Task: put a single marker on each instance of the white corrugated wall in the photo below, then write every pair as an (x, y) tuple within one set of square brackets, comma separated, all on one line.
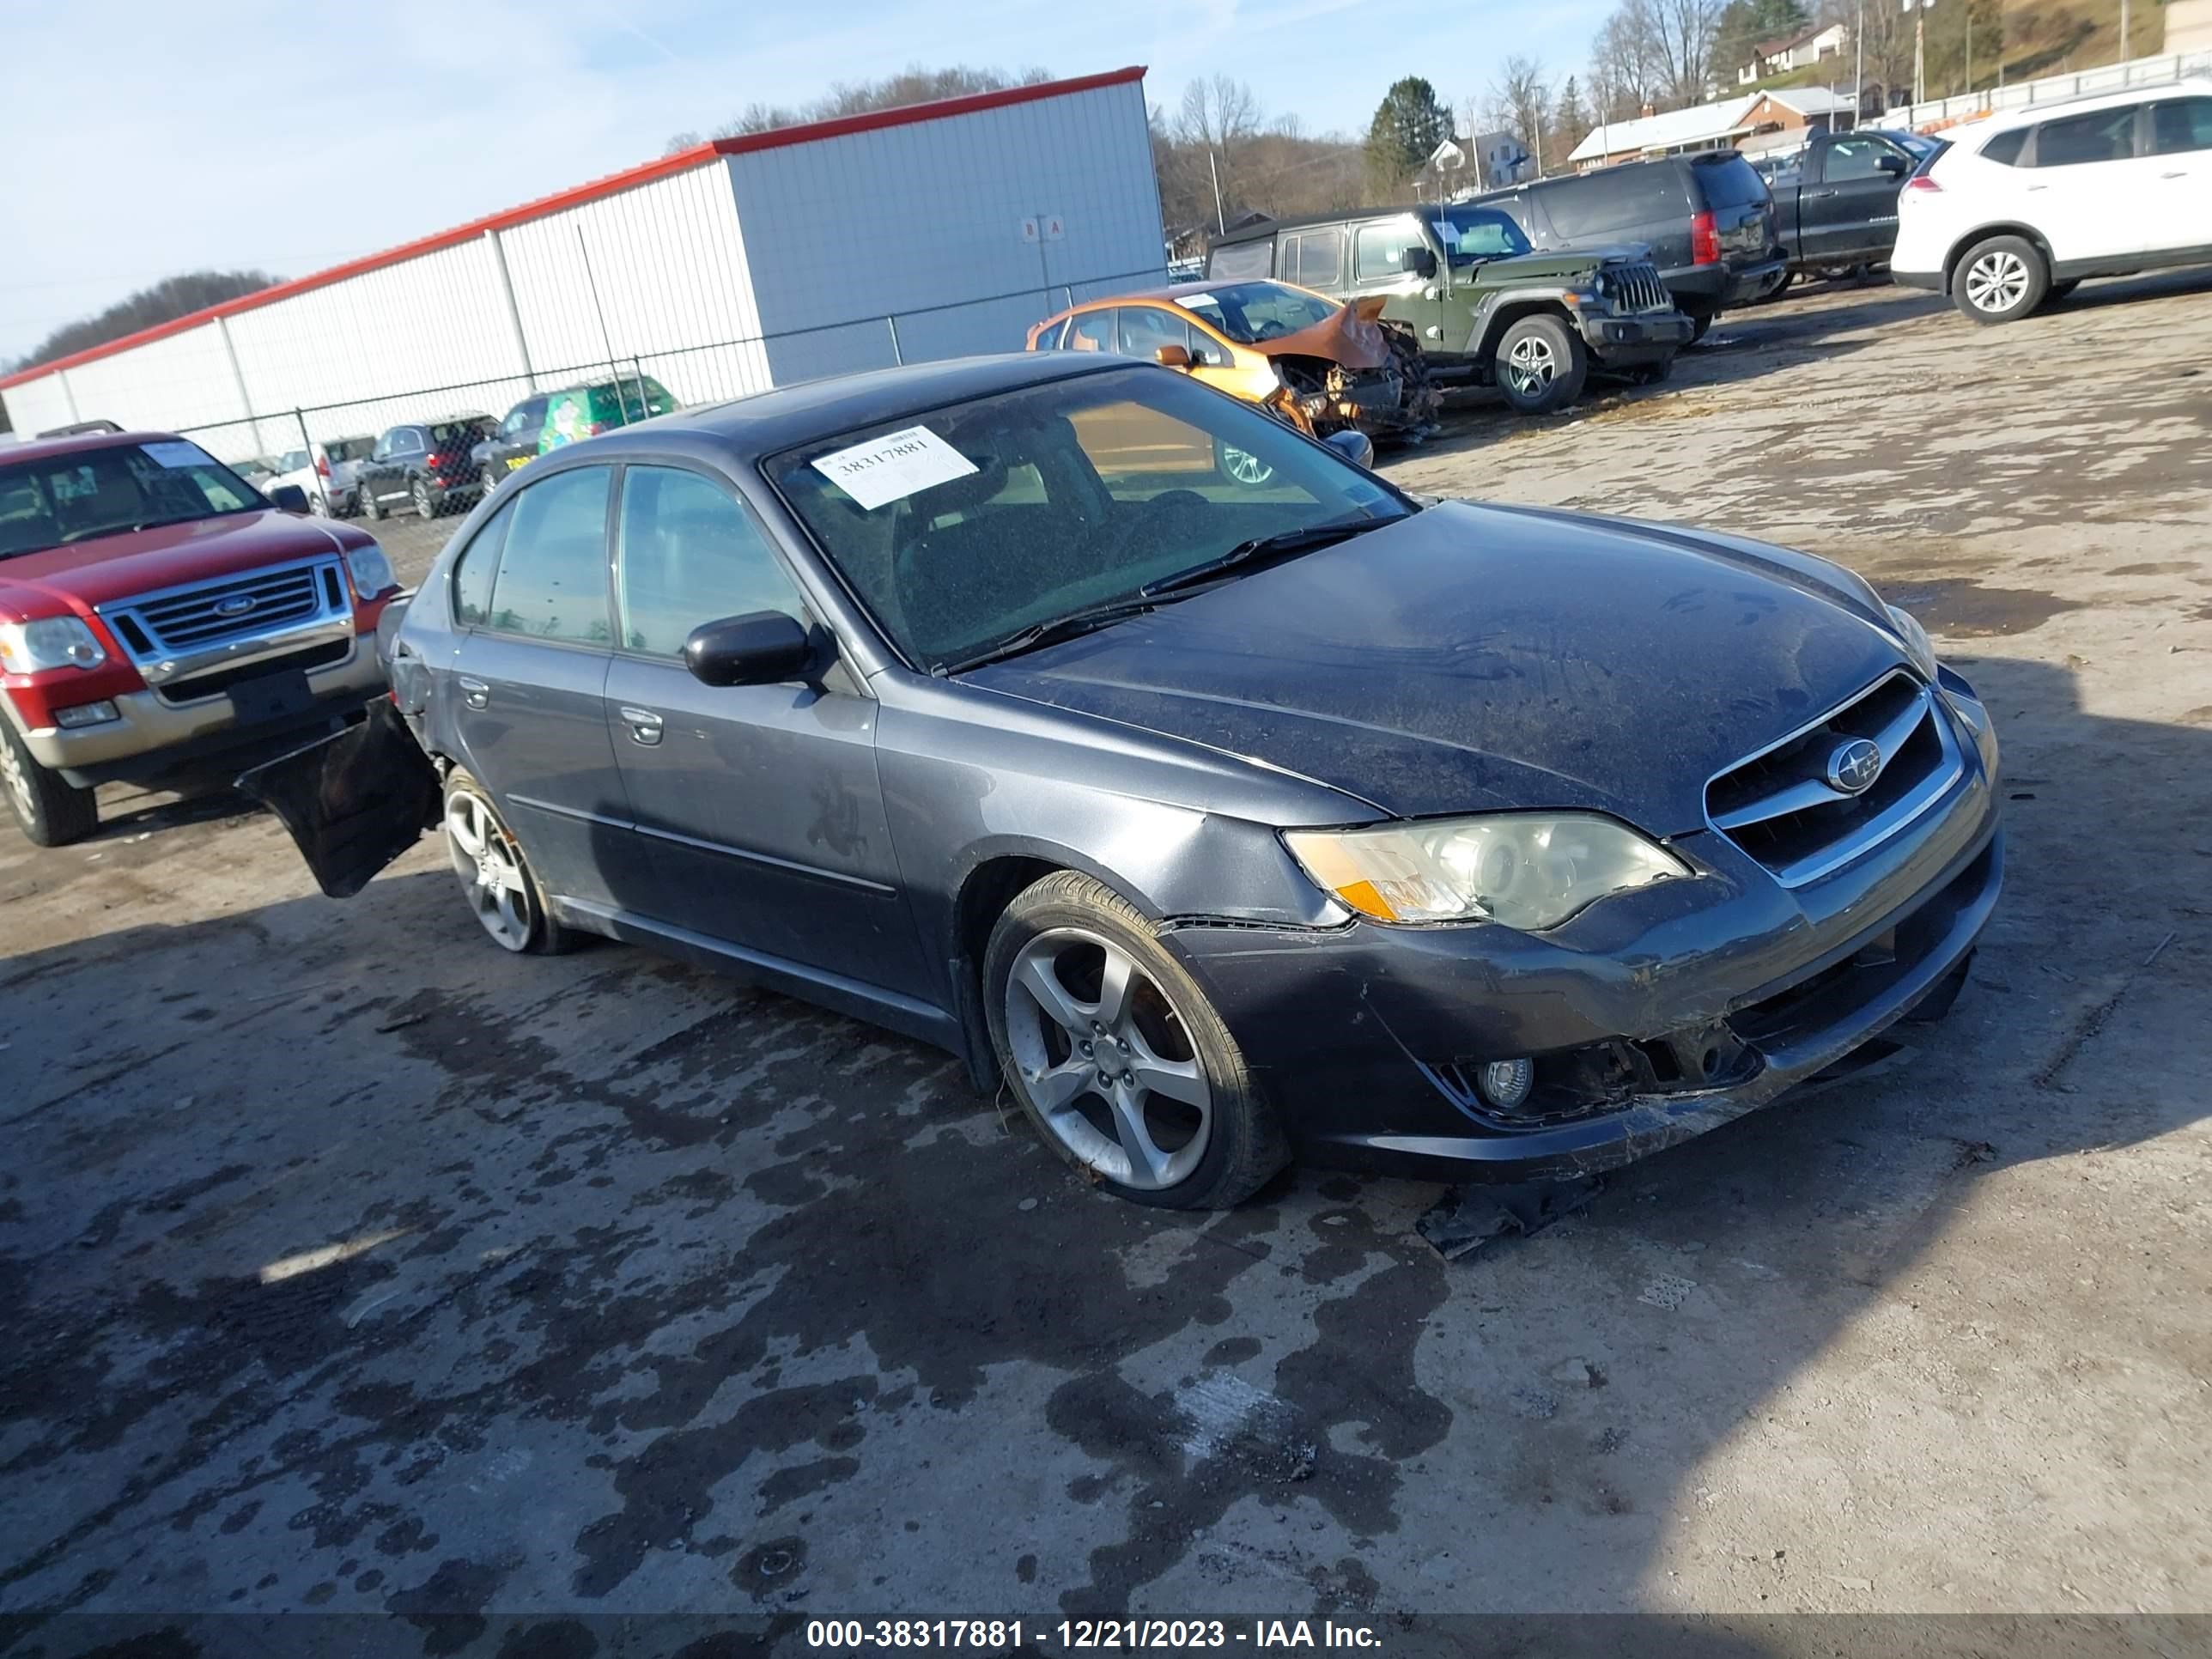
[(927, 221)]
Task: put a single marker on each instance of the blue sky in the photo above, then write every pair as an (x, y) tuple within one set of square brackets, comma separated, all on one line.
[(143, 139)]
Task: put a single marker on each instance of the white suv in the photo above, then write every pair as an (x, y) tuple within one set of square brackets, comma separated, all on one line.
[(2021, 207)]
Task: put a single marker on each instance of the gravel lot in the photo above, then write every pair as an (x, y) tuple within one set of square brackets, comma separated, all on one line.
[(638, 1291)]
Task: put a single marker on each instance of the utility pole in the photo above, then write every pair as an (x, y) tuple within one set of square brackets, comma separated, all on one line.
[(1221, 218), (1970, 43), (1858, 71), (1919, 10)]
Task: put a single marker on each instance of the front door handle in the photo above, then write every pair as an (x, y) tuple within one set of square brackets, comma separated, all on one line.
[(645, 726), (475, 693), (2174, 175)]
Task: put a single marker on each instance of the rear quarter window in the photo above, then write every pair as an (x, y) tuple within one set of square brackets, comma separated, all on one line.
[(1727, 181), (2005, 148), (1615, 198), (1241, 261)]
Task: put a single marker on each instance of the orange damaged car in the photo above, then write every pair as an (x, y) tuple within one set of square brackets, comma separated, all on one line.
[(1321, 366)]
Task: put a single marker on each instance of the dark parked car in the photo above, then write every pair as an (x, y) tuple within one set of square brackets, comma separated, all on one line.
[(1707, 220), (1228, 822), (547, 420), (424, 466)]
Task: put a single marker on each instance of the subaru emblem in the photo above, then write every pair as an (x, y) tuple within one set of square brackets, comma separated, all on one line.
[(236, 606), (1853, 766)]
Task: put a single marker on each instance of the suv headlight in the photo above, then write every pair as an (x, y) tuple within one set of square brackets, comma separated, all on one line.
[(371, 571), (1525, 870), (1914, 637), (49, 643)]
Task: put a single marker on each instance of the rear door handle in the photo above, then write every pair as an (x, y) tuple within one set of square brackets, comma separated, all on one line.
[(2174, 175), (645, 726), (475, 693)]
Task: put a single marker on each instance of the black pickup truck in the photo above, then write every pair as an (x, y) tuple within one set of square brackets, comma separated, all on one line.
[(1835, 198)]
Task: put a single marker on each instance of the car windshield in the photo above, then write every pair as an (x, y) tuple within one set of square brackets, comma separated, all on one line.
[(85, 493), (1248, 313), (1470, 234), (963, 528)]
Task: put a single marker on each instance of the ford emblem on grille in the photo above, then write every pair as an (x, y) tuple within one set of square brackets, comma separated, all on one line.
[(236, 606), (1853, 766)]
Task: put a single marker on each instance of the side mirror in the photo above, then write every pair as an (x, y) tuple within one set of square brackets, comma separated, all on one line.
[(1355, 446), (1895, 166), (288, 498), (762, 648), (1421, 261), (1172, 356)]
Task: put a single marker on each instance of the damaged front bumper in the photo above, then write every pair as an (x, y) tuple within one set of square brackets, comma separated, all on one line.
[(1650, 1018)]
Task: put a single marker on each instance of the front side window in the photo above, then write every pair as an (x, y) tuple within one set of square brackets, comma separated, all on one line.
[(1378, 251), (1146, 329), (2179, 125), (1859, 158), (105, 492), (552, 580), (2109, 135), (526, 417), (690, 554), (1031, 505), (1092, 331), (1473, 233)]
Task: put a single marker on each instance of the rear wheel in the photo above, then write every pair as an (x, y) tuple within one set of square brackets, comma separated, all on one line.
[(420, 494), (2001, 280), (1117, 1057), (502, 891), (51, 810), (1541, 365), (1240, 466), (371, 508)]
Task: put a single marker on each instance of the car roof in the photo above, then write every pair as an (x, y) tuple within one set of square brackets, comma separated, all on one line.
[(33, 449), (2088, 103), (1174, 291), (767, 422), (1267, 227)]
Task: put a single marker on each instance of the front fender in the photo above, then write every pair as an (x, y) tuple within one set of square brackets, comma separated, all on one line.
[(1499, 311)]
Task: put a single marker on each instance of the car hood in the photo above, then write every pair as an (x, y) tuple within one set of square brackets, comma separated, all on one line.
[(1552, 266), (1473, 657), (109, 567), (1350, 336)]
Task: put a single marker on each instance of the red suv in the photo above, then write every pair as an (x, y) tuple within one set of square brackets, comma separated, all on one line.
[(157, 611)]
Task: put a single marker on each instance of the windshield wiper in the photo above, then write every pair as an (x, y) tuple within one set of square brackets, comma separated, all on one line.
[(1287, 545), (1069, 627)]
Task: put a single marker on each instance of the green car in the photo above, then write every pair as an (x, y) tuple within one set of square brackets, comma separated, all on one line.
[(1488, 309), (547, 420)]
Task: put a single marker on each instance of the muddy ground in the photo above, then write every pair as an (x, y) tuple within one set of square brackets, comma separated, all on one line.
[(348, 1263)]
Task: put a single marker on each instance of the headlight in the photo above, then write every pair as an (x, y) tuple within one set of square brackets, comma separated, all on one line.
[(370, 570), (49, 643), (1916, 644), (1526, 870)]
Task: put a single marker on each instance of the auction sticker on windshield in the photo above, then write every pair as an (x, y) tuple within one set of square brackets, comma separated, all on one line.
[(894, 467), (175, 455)]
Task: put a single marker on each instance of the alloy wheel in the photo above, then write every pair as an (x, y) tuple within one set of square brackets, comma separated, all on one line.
[(1997, 281), (1531, 365), (1106, 1060), (421, 494), (1243, 467), (490, 868), (18, 781)]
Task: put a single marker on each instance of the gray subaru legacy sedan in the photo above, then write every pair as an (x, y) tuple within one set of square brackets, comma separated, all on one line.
[(1231, 805)]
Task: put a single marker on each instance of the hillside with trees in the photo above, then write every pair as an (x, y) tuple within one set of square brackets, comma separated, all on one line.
[(150, 307)]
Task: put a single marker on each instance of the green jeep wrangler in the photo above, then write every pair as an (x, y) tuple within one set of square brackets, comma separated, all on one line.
[(1488, 310)]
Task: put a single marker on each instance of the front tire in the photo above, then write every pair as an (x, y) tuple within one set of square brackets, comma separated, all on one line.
[(52, 811), (2001, 280), (1541, 365), (1120, 1063), (502, 890)]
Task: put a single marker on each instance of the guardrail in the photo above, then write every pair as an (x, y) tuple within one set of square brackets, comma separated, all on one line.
[(1937, 113)]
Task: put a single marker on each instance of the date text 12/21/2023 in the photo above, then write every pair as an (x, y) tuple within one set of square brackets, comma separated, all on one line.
[(1082, 1635)]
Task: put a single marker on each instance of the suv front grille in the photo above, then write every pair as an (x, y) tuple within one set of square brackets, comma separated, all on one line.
[(1636, 287), (183, 620), (1779, 806)]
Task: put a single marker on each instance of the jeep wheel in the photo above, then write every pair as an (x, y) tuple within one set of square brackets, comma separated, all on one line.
[(2000, 280), (52, 811), (1541, 365)]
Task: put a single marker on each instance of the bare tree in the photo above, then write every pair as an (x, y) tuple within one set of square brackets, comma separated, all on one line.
[(1655, 52), (1519, 100)]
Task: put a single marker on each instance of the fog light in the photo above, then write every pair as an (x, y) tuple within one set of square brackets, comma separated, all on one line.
[(86, 714), (1504, 1084)]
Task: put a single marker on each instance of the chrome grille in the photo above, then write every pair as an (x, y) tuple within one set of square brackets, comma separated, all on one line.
[(1779, 806), (1636, 287), (183, 620)]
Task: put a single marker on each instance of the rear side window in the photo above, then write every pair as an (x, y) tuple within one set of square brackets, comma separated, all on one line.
[(552, 581), (1316, 259), (2106, 135), (1146, 329), (2005, 148), (474, 570), (1092, 331), (1614, 198), (1729, 180), (2183, 124), (690, 555), (1047, 338), (1242, 261)]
